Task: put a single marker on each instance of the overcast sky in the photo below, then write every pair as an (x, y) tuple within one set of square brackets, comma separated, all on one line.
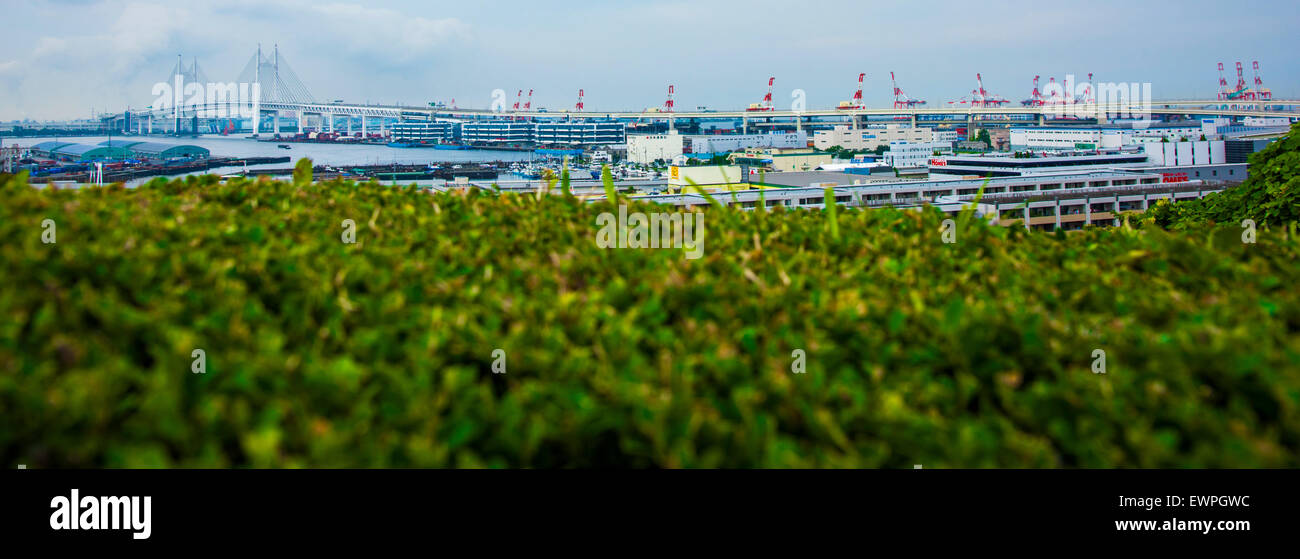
[(63, 58)]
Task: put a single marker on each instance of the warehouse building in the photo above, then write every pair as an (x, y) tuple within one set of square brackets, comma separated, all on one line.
[(65, 151), (646, 148), (496, 132), (1109, 137), (1040, 202), (580, 133), (735, 142), (870, 138), (158, 151), (435, 132), (907, 155), (781, 160)]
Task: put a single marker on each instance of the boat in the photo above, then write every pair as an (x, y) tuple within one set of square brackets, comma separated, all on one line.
[(403, 145), (284, 146), (450, 146)]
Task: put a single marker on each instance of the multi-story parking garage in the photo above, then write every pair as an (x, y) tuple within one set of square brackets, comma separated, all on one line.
[(1041, 202)]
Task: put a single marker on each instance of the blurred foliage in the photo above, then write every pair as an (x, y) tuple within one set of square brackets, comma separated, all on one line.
[(379, 353), (1270, 196)]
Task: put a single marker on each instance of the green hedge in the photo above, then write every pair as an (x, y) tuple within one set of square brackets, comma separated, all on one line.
[(379, 353)]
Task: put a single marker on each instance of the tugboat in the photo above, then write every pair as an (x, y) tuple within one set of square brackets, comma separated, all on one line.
[(284, 146)]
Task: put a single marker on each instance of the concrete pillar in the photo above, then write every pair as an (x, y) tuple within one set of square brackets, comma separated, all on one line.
[(302, 121), (913, 120), (383, 127), (350, 119), (276, 124), (329, 121), (744, 125), (257, 120), (150, 123), (363, 126)]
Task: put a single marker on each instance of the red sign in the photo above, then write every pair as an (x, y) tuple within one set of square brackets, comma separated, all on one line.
[(1173, 177), (938, 162)]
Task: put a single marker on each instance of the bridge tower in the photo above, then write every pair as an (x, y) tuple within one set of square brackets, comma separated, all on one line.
[(277, 84)]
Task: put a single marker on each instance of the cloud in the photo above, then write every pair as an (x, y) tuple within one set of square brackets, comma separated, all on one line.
[(388, 34)]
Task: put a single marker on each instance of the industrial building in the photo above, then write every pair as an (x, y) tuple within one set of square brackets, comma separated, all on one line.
[(735, 142), (66, 151), (646, 148), (1108, 137), (870, 138), (908, 155), (1004, 165), (544, 133), (434, 132), (704, 176), (781, 160), (496, 132), (579, 133), (1186, 153), (1239, 151), (1040, 202), (946, 138)]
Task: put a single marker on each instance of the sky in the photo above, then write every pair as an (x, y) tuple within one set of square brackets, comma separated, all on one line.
[(64, 59)]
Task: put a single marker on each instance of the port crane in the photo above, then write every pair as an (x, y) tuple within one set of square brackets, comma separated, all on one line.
[(980, 97), (580, 105), (1234, 93), (856, 101), (529, 104), (1262, 93), (901, 100), (1036, 98), (766, 105)]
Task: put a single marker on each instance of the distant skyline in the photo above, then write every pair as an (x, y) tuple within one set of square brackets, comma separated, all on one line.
[(64, 58)]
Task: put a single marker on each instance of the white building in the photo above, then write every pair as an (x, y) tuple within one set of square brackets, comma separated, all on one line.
[(943, 138), (736, 142), (905, 155), (1170, 154), (1064, 138), (646, 148), (869, 138), (1266, 121)]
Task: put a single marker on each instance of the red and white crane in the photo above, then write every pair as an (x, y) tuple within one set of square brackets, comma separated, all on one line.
[(1088, 96), (766, 105), (901, 100), (1036, 98), (668, 104), (856, 101), (529, 104), (1261, 93), (1223, 84), (580, 105), (980, 97), (518, 98)]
